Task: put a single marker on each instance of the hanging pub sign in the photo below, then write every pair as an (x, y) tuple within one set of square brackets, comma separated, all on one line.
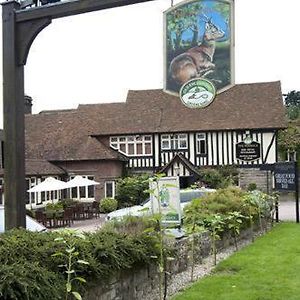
[(198, 43), (247, 151), (285, 176)]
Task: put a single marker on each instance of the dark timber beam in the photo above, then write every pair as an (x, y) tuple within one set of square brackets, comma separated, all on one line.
[(70, 8)]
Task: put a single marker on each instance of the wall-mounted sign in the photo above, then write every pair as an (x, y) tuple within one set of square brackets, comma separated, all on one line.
[(198, 43), (247, 151), (285, 176), (197, 93), (166, 199)]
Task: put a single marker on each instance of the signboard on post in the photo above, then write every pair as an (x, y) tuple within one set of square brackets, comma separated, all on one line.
[(165, 199), (247, 151), (286, 179), (198, 43), (285, 176)]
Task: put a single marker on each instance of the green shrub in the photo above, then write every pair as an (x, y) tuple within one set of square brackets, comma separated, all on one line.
[(131, 190), (220, 177), (54, 206), (68, 202), (108, 205), (251, 187), (28, 280)]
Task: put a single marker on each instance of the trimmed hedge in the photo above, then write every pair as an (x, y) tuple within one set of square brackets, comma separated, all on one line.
[(29, 271)]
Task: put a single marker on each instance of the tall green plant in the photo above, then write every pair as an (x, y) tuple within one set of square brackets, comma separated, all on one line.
[(215, 225), (234, 221), (70, 255)]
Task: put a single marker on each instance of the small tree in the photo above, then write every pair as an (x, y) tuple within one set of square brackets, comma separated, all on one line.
[(234, 222), (215, 225)]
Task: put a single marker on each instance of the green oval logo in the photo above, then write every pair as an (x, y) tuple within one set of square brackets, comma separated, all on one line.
[(197, 93)]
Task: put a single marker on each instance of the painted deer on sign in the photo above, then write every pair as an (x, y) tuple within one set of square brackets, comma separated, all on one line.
[(197, 61)]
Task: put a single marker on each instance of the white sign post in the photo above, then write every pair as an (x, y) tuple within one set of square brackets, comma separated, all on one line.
[(165, 199)]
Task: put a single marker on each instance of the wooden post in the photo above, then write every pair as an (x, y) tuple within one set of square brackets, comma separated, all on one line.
[(13, 115)]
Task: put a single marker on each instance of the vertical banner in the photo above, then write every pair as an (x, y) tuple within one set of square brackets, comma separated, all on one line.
[(198, 43), (166, 199)]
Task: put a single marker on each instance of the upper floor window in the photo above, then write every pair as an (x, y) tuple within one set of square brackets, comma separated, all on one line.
[(132, 145), (174, 141), (201, 143)]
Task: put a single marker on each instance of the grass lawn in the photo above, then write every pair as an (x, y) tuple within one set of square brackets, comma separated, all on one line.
[(268, 269)]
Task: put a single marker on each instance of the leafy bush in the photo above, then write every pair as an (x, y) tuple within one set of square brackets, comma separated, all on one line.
[(220, 177), (54, 206), (28, 269), (107, 205), (131, 190), (251, 187), (68, 202)]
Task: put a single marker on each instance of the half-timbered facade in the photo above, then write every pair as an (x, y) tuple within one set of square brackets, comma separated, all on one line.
[(154, 131)]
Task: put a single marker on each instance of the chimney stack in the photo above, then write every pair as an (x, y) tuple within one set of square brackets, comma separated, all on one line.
[(28, 105)]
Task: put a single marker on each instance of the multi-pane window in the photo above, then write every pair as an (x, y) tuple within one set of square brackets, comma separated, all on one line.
[(109, 189), (174, 141), (133, 145), (201, 143), (83, 192)]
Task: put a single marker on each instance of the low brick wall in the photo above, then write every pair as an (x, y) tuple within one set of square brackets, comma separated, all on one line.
[(143, 283)]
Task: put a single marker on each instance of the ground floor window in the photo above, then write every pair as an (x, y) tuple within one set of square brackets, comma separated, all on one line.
[(83, 192), (109, 189)]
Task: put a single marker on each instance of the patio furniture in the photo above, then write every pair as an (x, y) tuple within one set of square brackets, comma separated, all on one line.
[(41, 217), (67, 217), (96, 209)]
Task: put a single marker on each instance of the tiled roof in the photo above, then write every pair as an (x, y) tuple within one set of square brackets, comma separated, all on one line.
[(65, 135), (244, 106), (39, 167)]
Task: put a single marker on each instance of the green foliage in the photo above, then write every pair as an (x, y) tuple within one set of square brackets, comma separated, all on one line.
[(54, 206), (70, 256), (292, 103), (131, 190), (27, 263), (222, 202), (289, 138), (251, 187), (68, 202), (29, 280), (108, 205), (220, 177)]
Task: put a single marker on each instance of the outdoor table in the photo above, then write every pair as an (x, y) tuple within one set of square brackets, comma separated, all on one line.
[(53, 216)]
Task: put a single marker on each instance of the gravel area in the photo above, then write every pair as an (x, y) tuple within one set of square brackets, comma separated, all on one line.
[(182, 280)]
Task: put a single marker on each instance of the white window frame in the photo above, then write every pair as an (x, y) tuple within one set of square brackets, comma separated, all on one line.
[(113, 188), (172, 140), (200, 137), (117, 141)]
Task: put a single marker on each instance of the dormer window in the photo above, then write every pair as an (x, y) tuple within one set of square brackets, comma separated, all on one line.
[(132, 145)]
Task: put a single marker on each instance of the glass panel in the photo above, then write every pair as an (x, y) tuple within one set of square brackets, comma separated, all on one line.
[(114, 139), (138, 138), (200, 136), (202, 147), (122, 148), (108, 189), (91, 193), (165, 145), (43, 196), (114, 145), (74, 193), (165, 137), (27, 194), (148, 138), (130, 149), (148, 148), (130, 138), (182, 136), (182, 144), (82, 192), (122, 139), (139, 148)]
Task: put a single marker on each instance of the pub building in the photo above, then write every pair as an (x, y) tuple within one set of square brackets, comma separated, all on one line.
[(154, 132)]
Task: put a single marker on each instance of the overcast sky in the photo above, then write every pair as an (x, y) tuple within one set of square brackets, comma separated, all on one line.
[(97, 57)]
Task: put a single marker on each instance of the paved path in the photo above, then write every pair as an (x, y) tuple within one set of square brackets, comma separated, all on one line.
[(88, 225)]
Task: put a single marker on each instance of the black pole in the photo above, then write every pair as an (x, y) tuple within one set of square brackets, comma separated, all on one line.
[(13, 116), (296, 193)]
